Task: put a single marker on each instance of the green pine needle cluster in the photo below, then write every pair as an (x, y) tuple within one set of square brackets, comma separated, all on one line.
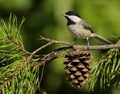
[(20, 75), (105, 76), (15, 76)]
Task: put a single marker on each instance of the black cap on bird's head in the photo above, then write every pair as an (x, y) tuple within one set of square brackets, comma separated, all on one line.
[(70, 13), (72, 17)]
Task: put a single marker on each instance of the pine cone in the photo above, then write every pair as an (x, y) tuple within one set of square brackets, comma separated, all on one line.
[(77, 67)]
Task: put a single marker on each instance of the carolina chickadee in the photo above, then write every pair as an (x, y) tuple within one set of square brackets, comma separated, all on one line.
[(80, 29)]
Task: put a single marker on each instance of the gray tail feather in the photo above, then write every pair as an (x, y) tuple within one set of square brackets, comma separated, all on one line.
[(102, 39)]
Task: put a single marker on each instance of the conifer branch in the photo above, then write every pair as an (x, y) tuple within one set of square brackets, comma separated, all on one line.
[(19, 47), (82, 47), (54, 41), (54, 54), (22, 64), (12, 41)]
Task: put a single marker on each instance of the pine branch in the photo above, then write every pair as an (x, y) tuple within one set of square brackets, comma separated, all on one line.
[(81, 47), (54, 54), (18, 46), (12, 53), (105, 75), (50, 56), (18, 65), (22, 65)]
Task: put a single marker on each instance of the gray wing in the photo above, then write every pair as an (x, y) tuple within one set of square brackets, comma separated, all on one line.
[(86, 26)]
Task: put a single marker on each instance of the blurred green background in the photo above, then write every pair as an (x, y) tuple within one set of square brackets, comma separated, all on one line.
[(44, 17)]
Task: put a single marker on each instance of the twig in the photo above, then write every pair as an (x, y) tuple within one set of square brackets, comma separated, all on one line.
[(82, 47), (54, 41), (8, 79), (97, 47), (46, 58), (54, 54)]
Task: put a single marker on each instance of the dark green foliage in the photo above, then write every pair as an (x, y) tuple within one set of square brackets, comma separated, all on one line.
[(16, 76), (106, 74)]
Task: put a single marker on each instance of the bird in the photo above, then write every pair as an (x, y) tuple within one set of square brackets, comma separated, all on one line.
[(80, 29)]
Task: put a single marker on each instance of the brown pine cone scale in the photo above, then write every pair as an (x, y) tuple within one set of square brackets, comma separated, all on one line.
[(77, 67)]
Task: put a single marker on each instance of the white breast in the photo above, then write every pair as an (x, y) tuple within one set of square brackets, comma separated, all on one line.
[(79, 31)]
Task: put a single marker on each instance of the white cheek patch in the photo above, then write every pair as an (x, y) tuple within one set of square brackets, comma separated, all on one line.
[(75, 18)]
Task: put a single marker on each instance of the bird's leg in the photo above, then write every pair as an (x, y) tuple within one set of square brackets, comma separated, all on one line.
[(88, 43)]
